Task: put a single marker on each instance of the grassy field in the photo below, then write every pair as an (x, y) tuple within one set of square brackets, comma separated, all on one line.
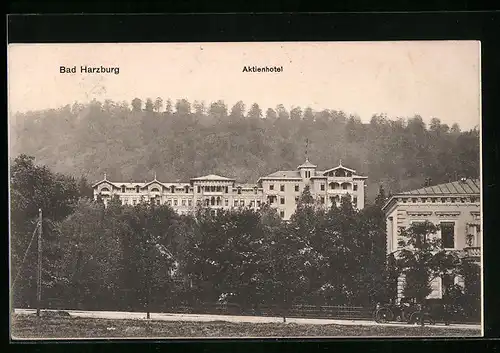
[(29, 326)]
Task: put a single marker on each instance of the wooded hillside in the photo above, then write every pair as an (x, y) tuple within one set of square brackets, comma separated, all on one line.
[(132, 140)]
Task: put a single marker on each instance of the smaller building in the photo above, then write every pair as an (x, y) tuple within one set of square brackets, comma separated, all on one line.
[(454, 207)]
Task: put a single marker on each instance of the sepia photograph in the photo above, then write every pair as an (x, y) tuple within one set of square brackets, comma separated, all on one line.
[(245, 190)]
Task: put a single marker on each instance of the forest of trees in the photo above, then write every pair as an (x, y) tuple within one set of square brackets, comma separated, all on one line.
[(181, 140)]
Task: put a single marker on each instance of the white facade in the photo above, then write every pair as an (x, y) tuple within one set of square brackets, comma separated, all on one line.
[(280, 190), (454, 207)]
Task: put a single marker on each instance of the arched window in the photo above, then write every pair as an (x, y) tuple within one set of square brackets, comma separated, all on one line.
[(123, 188), (207, 202), (218, 201), (155, 190), (137, 188), (345, 186), (105, 189), (172, 189), (212, 201), (187, 189)]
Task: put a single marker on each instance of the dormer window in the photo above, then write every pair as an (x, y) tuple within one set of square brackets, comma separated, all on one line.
[(137, 189), (123, 188), (239, 190), (187, 189), (172, 189)]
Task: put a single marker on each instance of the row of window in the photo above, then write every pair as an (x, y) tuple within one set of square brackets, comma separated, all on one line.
[(333, 186), (213, 201), (440, 199), (208, 202), (282, 187), (186, 189), (170, 202), (137, 189), (225, 189), (334, 199)]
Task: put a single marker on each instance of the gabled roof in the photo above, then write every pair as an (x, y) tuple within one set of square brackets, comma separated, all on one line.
[(154, 181), (213, 177), (104, 181), (306, 164), (119, 184), (340, 166), (468, 186)]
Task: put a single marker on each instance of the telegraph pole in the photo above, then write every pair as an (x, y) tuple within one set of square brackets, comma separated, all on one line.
[(39, 277)]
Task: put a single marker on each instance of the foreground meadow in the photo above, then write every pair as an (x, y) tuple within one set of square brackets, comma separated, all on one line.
[(31, 327)]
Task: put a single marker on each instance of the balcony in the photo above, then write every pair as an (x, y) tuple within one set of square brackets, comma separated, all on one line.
[(340, 191), (212, 193), (339, 179), (473, 252)]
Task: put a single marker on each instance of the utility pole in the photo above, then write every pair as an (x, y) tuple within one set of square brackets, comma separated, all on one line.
[(39, 277)]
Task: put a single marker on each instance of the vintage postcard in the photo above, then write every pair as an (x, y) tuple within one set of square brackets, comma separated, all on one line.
[(225, 190)]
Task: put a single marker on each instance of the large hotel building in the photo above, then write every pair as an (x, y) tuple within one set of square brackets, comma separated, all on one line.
[(280, 190)]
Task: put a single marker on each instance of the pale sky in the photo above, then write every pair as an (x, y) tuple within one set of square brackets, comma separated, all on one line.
[(434, 79)]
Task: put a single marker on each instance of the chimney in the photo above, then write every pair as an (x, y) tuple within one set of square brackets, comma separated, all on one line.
[(463, 179)]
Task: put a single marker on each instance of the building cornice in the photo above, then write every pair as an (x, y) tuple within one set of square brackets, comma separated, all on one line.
[(394, 198)]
